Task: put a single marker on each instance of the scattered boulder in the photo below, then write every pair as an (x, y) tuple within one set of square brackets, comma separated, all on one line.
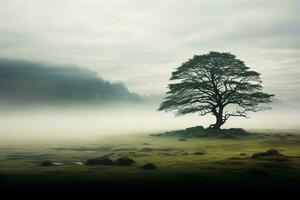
[(124, 161), (271, 154), (99, 161), (149, 166), (46, 163), (256, 172), (199, 153)]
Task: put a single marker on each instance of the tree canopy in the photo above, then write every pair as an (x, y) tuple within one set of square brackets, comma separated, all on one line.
[(215, 83)]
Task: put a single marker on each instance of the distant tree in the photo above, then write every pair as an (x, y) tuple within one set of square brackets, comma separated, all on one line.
[(209, 83)]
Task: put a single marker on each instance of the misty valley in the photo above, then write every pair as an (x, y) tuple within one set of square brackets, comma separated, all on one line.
[(149, 99), (64, 129)]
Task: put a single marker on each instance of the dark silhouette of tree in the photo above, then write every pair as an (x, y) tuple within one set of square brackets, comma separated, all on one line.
[(215, 83)]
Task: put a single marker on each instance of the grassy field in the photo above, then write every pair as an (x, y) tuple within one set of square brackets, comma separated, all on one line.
[(199, 163)]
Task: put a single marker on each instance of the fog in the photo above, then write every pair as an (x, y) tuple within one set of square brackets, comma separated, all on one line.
[(54, 124), (51, 103)]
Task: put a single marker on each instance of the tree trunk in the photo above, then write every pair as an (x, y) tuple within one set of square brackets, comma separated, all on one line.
[(218, 124), (219, 120)]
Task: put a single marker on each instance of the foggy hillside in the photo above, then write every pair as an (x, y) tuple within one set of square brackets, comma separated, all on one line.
[(25, 82)]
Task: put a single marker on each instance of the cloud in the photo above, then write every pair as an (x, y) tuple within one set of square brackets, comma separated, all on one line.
[(25, 82), (140, 42)]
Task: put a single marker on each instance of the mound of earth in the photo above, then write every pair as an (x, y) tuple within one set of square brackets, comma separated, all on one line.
[(149, 166), (46, 163), (124, 161), (99, 161), (199, 131), (271, 154)]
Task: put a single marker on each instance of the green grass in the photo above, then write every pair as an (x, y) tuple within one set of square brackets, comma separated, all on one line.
[(221, 165)]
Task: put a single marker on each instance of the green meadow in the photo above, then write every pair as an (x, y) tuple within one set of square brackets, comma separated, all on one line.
[(197, 162)]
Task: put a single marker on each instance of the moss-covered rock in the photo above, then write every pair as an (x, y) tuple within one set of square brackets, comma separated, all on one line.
[(46, 163), (124, 161)]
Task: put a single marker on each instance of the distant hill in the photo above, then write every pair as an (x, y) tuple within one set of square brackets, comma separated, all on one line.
[(25, 82)]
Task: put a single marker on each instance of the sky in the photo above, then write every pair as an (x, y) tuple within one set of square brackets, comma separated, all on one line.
[(140, 42)]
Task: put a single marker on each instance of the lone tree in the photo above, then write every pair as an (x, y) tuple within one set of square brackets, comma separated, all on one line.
[(218, 84)]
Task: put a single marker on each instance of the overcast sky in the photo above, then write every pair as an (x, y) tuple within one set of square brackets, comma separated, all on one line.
[(139, 42)]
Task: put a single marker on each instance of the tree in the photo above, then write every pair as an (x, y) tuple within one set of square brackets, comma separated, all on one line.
[(218, 84)]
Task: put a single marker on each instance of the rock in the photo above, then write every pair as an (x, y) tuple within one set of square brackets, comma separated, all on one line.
[(182, 139), (46, 163), (243, 154), (124, 161), (271, 154), (199, 153), (99, 161), (149, 166), (256, 172)]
